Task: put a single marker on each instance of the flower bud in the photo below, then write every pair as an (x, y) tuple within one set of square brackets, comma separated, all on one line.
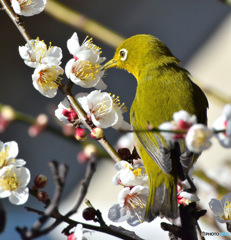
[(7, 115), (80, 134), (40, 181), (97, 133), (89, 213), (40, 124), (42, 196), (8, 112), (124, 153)]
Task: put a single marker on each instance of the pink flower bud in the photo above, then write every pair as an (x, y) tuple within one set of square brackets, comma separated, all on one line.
[(80, 134), (68, 130), (40, 124), (97, 133), (40, 181), (70, 114), (42, 196)]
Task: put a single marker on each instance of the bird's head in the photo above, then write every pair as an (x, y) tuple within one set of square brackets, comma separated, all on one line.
[(137, 52)]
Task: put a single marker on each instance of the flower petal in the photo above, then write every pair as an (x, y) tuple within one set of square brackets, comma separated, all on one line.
[(13, 149), (19, 196), (116, 213), (216, 207)]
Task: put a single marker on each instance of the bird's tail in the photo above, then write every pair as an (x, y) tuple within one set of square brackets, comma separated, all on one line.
[(162, 199)]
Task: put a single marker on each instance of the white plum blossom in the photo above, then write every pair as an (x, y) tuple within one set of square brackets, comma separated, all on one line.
[(28, 7), (104, 110), (222, 209), (87, 51), (46, 78), (84, 68), (13, 184), (131, 206), (182, 121), (79, 233), (224, 122), (85, 74), (198, 138), (65, 112), (129, 175), (36, 52), (8, 153)]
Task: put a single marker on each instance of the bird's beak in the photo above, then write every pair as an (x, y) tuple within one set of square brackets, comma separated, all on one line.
[(110, 64)]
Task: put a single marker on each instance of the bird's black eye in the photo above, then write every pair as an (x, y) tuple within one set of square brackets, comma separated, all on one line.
[(123, 54)]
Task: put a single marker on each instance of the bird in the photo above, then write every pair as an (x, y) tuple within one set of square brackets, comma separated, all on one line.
[(163, 88)]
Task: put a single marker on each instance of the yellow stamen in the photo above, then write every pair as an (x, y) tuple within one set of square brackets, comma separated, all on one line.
[(137, 172), (9, 183), (49, 78), (85, 70), (25, 3), (4, 155), (116, 102), (227, 210)]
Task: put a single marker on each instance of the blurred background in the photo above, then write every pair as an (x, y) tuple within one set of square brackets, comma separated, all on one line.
[(198, 32)]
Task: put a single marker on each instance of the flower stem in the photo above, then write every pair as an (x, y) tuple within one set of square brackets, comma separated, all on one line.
[(82, 117)]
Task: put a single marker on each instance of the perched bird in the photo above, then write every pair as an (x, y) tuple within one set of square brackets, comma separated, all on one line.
[(163, 87)]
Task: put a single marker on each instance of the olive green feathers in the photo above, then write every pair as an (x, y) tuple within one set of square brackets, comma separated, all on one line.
[(163, 87)]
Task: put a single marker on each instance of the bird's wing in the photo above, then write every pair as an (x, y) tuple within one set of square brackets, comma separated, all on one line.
[(154, 145)]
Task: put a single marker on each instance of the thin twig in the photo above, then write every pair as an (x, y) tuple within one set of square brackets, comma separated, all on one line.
[(59, 175), (17, 20), (82, 117), (91, 168)]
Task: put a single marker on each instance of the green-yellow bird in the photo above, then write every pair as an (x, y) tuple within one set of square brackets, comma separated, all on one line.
[(163, 87)]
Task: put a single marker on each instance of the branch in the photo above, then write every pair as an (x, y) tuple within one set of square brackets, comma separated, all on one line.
[(59, 175), (82, 118), (91, 168), (17, 20)]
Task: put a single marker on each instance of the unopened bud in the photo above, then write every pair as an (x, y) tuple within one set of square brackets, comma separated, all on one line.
[(89, 150), (124, 153), (8, 113), (68, 130), (40, 181), (42, 196), (80, 134), (97, 133), (89, 213), (70, 114), (40, 124)]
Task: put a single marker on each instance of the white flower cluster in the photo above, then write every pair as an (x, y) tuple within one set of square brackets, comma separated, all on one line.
[(103, 109), (83, 69), (13, 176), (46, 61), (198, 136), (133, 197), (28, 8)]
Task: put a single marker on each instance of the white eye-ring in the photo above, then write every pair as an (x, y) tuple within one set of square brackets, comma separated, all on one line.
[(123, 54)]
